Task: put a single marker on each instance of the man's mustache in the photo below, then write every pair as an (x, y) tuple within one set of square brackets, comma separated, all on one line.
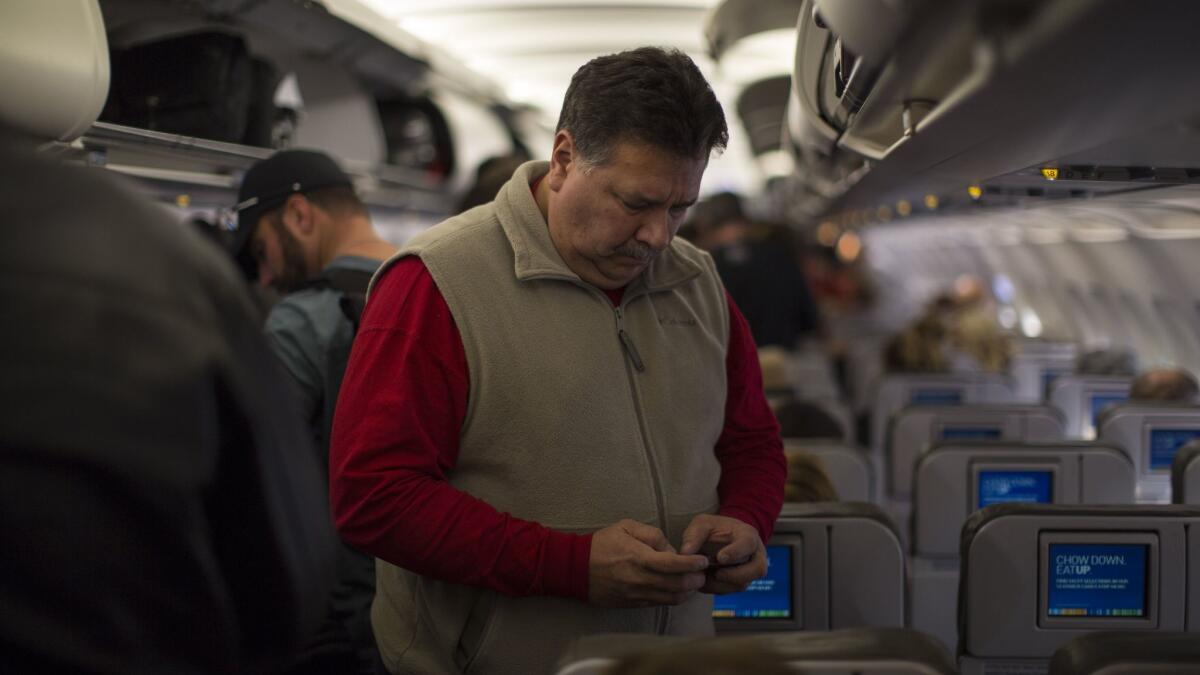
[(635, 250)]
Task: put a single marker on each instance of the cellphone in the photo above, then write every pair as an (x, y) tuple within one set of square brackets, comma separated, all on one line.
[(710, 550)]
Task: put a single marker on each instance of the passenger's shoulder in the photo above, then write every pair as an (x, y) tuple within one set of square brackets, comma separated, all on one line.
[(117, 240)]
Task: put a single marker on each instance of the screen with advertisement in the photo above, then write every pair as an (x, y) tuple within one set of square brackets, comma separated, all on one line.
[(1164, 443), (1000, 487), (767, 598), (1097, 580), (969, 433), (936, 397), (1101, 400)]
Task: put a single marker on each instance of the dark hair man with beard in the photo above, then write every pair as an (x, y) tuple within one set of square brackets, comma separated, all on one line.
[(303, 232)]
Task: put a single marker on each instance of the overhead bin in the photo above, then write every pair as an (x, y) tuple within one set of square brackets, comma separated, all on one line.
[(356, 83), (941, 95)]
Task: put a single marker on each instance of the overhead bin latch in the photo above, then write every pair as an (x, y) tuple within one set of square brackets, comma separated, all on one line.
[(914, 112)]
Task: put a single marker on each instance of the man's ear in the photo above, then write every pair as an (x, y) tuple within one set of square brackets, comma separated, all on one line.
[(564, 158), (298, 216)]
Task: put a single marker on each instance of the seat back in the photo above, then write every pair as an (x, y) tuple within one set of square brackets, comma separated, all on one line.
[(832, 565), (811, 372), (1036, 364), (957, 478), (894, 392), (1152, 434), (863, 651), (54, 70), (1083, 397), (916, 428), (1185, 475), (1128, 653), (848, 467), (1037, 576)]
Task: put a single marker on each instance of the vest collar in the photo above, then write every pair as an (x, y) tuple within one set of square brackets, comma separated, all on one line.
[(534, 253)]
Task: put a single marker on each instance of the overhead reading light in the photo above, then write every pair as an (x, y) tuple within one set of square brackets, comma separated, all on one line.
[(849, 246), (827, 234)]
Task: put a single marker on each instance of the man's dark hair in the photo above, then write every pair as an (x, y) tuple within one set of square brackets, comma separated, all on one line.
[(649, 95)]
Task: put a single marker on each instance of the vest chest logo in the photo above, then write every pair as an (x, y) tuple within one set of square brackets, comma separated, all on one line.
[(677, 321)]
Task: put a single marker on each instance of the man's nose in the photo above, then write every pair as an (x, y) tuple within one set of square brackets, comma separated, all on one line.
[(655, 231)]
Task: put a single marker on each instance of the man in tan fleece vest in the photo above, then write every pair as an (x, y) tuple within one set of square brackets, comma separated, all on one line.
[(553, 421)]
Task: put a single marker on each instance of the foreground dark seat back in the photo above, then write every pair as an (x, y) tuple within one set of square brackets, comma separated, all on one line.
[(1128, 653), (863, 651)]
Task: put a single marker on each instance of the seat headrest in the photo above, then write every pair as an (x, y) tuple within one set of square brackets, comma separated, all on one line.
[(1092, 653), (987, 514), (838, 510), (54, 70)]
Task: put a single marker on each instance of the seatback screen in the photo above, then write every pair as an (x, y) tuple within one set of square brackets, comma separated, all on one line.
[(936, 397), (1100, 401), (969, 433), (1000, 487), (1164, 443), (1097, 580), (767, 598)]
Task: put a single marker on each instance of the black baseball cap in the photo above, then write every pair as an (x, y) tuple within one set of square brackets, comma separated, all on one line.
[(269, 183)]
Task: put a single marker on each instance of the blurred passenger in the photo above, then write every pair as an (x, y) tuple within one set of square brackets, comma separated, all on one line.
[(1165, 384), (806, 419), (976, 334), (975, 339), (807, 479), (504, 529), (491, 175), (777, 381), (1106, 362), (918, 348), (760, 269), (303, 231), (715, 658), (797, 418), (160, 508)]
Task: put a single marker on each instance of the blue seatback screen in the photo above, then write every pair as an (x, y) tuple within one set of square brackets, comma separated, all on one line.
[(969, 433), (1164, 443), (936, 397), (1101, 401), (1097, 580), (1030, 487), (767, 598)]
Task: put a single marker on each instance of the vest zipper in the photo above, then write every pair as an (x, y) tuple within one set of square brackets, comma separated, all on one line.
[(627, 342), (662, 613)]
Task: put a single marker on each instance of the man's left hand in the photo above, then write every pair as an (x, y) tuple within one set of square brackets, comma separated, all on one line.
[(736, 549)]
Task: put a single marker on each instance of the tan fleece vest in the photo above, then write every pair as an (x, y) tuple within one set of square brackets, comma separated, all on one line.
[(565, 426)]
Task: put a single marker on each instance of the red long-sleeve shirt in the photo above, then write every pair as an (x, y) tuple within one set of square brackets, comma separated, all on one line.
[(396, 437)]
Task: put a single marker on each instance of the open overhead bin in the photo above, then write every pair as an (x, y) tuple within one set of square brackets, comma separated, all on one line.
[(897, 100)]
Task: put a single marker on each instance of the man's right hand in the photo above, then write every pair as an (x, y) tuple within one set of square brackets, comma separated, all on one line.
[(633, 565)]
